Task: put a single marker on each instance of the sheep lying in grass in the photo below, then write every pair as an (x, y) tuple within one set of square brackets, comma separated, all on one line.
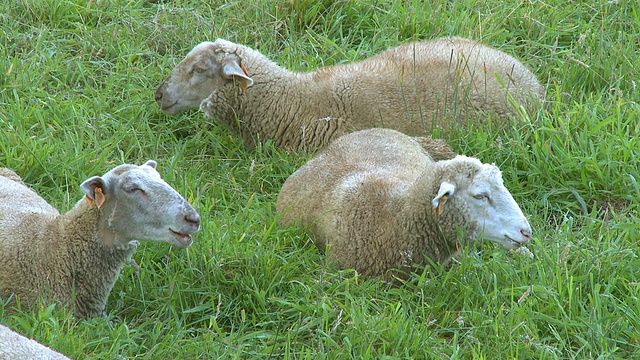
[(14, 346), (377, 202), (75, 258), (411, 88)]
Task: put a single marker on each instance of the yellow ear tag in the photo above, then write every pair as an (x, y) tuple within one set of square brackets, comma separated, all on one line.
[(440, 207), (244, 69), (86, 197), (243, 83), (100, 199)]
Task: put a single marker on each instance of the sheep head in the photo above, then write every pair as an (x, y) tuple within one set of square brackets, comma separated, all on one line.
[(489, 203), (138, 205), (206, 68)]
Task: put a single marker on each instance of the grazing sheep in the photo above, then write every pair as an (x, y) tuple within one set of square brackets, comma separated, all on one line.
[(377, 202), (14, 346), (412, 88), (74, 259)]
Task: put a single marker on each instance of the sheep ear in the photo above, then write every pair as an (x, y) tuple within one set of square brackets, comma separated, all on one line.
[(151, 163), (447, 190), (93, 189), (238, 72)]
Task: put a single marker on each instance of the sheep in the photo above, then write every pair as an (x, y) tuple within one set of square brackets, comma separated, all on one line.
[(74, 259), (14, 346), (412, 88), (377, 202)]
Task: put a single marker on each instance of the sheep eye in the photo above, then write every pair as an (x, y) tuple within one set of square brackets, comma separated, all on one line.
[(481, 196), (199, 70), (132, 188)]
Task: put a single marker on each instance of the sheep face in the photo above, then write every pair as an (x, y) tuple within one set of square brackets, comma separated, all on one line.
[(208, 67), (489, 203), (138, 205)]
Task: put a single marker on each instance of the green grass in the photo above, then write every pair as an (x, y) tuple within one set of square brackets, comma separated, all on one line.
[(76, 98)]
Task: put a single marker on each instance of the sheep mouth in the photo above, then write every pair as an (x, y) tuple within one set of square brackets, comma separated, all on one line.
[(512, 243), (165, 108), (184, 239)]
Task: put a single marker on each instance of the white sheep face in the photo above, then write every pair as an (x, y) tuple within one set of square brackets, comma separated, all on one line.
[(491, 206), (140, 205), (206, 68)]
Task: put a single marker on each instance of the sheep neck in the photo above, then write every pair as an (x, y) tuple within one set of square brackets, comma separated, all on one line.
[(277, 92), (95, 265), (437, 236)]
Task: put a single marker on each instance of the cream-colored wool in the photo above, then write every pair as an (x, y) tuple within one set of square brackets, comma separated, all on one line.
[(378, 202), (74, 259), (14, 346), (413, 88)]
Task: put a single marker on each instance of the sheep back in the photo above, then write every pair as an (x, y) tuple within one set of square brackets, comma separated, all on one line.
[(11, 175), (23, 216)]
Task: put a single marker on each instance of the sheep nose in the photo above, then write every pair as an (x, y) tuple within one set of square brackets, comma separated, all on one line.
[(526, 233), (193, 218), (158, 96)]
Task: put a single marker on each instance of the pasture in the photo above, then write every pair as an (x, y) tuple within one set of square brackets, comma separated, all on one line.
[(77, 83)]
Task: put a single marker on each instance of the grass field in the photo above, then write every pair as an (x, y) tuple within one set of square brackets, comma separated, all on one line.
[(77, 80)]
